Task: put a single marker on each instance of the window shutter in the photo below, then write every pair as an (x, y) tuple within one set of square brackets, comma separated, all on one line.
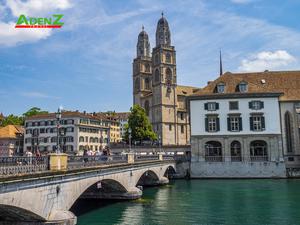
[(261, 105), (228, 124), (206, 106), (240, 124), (250, 105), (251, 123), (218, 124), (263, 125), (217, 106), (206, 124)]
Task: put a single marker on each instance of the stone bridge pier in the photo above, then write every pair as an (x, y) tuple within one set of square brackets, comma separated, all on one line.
[(47, 199)]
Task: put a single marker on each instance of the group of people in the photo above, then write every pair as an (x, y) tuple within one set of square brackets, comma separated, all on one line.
[(105, 152)]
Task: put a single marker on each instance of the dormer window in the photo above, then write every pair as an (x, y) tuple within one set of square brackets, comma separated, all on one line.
[(243, 87), (220, 88)]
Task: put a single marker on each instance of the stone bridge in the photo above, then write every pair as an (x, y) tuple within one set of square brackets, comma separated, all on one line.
[(46, 198)]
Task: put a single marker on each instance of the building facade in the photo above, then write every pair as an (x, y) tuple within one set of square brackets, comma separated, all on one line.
[(155, 87), (246, 125), (122, 117), (78, 131), (11, 140)]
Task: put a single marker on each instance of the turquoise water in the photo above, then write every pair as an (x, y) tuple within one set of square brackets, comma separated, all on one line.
[(206, 202)]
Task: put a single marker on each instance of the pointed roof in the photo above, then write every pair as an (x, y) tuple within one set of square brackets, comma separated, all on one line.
[(286, 82), (11, 131)]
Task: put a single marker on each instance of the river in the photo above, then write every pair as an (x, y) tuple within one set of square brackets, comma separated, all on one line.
[(206, 202)]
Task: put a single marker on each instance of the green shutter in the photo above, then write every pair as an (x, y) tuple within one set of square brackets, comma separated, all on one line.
[(206, 124), (206, 106), (228, 124), (250, 105), (263, 125), (218, 124), (217, 106), (251, 123), (261, 105), (240, 124)]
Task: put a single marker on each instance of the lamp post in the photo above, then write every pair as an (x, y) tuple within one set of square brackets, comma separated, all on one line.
[(129, 137), (159, 142), (58, 117)]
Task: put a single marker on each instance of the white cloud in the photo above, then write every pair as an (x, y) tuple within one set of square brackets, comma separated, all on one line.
[(34, 94), (240, 1), (11, 36), (36, 7), (267, 60)]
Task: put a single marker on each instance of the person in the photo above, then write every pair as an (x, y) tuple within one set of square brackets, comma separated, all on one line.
[(85, 155), (29, 155)]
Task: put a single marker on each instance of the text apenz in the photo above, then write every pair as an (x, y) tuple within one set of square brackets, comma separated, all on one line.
[(40, 22)]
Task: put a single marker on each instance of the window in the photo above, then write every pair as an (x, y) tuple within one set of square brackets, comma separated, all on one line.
[(156, 75), (147, 107), (258, 151), (234, 123), (234, 105), (81, 139), (213, 151), (181, 116), (147, 83), (168, 58), (211, 106), (170, 127), (157, 59), (257, 123), (182, 129), (220, 88), (256, 105), (242, 87), (235, 150), (147, 68), (212, 124), (42, 130), (288, 131), (168, 76), (137, 84)]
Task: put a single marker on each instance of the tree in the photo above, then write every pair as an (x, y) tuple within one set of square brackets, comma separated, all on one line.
[(138, 122), (34, 111), (12, 120)]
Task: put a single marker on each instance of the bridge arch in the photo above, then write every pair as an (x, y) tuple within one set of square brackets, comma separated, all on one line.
[(148, 178), (14, 213)]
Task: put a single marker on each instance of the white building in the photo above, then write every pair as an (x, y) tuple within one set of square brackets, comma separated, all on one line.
[(122, 117), (79, 131), (246, 125)]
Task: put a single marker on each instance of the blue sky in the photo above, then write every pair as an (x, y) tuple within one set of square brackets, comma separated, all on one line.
[(87, 64)]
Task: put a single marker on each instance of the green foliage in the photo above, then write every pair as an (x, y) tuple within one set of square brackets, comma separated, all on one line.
[(34, 111), (19, 120), (12, 120), (138, 122)]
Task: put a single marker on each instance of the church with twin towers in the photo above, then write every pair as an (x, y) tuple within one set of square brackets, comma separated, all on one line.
[(155, 86)]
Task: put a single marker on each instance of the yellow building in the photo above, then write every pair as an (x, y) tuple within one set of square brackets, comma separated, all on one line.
[(11, 140)]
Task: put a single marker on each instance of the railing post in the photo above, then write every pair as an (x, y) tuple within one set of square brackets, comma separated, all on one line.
[(160, 156), (130, 158), (58, 162)]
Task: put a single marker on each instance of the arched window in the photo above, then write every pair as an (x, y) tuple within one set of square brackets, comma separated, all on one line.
[(147, 68), (137, 84), (242, 87), (96, 140), (169, 76), (235, 150), (220, 88), (147, 83), (258, 151), (213, 151), (156, 75), (91, 139), (168, 58), (156, 59), (288, 131), (146, 107)]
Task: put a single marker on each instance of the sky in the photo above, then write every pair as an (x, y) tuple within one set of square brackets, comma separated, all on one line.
[(87, 64)]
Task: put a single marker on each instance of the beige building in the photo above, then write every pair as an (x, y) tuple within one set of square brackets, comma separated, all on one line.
[(11, 140), (122, 117), (155, 87), (113, 123), (80, 131)]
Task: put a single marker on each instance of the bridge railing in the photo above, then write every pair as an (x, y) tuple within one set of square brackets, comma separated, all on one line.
[(140, 158), (22, 165), (75, 162)]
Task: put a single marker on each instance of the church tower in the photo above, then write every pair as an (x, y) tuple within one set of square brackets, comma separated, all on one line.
[(142, 72), (164, 99)]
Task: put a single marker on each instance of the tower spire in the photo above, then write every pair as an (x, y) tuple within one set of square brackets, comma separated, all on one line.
[(221, 64)]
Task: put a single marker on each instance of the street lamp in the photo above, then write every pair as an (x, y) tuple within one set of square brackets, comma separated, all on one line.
[(58, 117), (159, 142), (129, 137)]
